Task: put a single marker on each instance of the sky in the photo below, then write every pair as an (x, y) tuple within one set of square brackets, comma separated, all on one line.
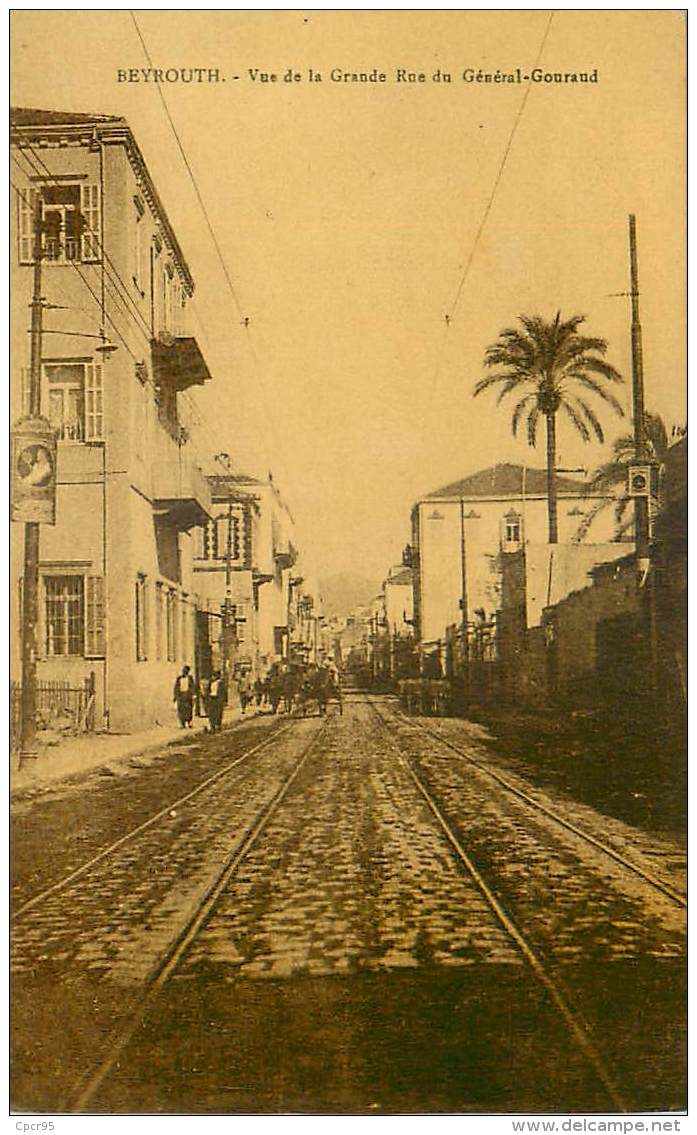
[(350, 216)]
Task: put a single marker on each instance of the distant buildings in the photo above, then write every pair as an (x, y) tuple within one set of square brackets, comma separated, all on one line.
[(460, 532), (244, 554), (378, 638)]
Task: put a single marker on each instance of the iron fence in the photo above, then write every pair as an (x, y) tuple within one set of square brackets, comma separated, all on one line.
[(58, 703)]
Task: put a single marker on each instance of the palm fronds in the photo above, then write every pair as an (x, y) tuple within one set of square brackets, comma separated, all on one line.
[(559, 365), (518, 411)]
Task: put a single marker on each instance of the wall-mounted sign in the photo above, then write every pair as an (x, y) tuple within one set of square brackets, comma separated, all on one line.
[(34, 471)]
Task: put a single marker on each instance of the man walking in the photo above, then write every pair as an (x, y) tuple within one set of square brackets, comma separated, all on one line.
[(215, 701), (245, 690), (184, 690)]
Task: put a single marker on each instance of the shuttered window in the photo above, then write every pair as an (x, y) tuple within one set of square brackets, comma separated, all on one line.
[(91, 216), (95, 637), (159, 620), (140, 247), (73, 398), (94, 403), (64, 623), (27, 204), (172, 628), (142, 620), (240, 617), (71, 231), (24, 387)]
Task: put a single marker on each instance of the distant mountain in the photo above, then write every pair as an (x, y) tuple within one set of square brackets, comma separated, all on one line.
[(346, 590)]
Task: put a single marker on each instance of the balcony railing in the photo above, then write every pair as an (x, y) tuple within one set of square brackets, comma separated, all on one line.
[(286, 555), (180, 492), (61, 249)]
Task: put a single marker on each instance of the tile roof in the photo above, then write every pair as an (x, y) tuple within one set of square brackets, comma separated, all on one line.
[(505, 480)]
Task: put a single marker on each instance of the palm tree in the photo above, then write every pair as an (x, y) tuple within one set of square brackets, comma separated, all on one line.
[(553, 366), (611, 477)]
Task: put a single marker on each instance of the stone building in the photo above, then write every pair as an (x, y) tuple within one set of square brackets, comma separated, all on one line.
[(116, 571), (460, 531), (245, 553)]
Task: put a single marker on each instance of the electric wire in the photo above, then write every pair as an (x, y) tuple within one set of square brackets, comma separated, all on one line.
[(123, 293), (259, 375), (485, 215), (115, 293), (91, 290), (37, 165)]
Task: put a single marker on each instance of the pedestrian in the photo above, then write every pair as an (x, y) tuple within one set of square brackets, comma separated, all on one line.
[(184, 690), (244, 687), (259, 691), (215, 701)]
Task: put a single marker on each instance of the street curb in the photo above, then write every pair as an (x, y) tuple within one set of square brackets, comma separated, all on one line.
[(17, 792)]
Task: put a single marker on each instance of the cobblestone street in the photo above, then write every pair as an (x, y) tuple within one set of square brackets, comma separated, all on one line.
[(358, 953)]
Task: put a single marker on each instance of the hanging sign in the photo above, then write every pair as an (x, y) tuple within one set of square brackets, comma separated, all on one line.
[(34, 471)]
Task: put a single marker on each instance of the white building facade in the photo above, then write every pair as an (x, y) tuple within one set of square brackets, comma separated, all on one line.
[(117, 604), (460, 531), (245, 553)]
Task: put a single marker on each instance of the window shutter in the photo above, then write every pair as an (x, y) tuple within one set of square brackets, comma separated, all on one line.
[(145, 597), (24, 383), (27, 204), (91, 240), (94, 400), (241, 625), (95, 639), (158, 621)]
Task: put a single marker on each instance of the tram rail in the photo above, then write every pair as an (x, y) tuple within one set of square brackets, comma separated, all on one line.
[(180, 945), (575, 1024), (171, 806), (611, 852)]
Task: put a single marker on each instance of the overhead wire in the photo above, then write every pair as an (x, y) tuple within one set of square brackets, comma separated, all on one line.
[(123, 292), (110, 268), (20, 193), (107, 277), (198, 423), (85, 281), (261, 382), (116, 294), (448, 320)]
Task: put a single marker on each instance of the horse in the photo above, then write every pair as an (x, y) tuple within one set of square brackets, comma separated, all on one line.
[(319, 686)]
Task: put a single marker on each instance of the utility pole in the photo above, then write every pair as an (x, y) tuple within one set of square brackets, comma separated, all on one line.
[(30, 585), (641, 503), (227, 605), (463, 594)]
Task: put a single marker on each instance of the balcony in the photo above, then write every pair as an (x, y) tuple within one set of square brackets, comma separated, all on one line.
[(177, 362), (180, 493), (286, 555)]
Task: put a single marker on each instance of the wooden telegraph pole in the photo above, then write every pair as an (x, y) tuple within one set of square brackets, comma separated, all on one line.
[(642, 458), (641, 503), (464, 645), (30, 583), (229, 627)]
